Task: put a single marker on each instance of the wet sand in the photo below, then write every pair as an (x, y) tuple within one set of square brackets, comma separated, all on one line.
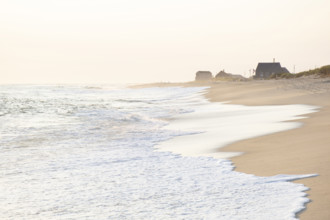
[(304, 150), (299, 151)]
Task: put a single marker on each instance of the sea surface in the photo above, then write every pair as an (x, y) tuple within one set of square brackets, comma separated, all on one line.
[(91, 152)]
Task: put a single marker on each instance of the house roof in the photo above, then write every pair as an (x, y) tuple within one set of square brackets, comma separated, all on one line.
[(285, 70), (204, 72), (222, 74), (269, 67)]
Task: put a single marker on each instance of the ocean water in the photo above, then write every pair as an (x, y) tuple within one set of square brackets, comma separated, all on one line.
[(109, 152)]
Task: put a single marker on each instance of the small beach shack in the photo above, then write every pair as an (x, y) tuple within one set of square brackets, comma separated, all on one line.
[(265, 70), (203, 75)]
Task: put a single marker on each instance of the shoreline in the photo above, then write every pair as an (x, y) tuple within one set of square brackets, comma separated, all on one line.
[(299, 151)]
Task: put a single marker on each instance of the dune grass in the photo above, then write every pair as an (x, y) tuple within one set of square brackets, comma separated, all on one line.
[(323, 71)]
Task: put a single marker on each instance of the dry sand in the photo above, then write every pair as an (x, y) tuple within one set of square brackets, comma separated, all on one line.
[(305, 150)]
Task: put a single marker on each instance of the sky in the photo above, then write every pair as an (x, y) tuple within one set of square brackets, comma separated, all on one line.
[(129, 41)]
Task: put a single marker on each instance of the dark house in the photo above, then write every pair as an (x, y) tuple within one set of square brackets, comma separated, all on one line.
[(265, 70), (203, 75)]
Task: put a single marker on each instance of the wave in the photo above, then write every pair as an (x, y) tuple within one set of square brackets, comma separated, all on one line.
[(90, 153)]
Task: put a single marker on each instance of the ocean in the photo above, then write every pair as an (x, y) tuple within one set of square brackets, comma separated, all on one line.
[(111, 152)]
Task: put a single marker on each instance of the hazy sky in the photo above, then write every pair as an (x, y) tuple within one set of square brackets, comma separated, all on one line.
[(106, 41)]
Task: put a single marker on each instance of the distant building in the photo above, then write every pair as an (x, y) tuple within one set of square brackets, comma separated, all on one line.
[(203, 75), (265, 70), (222, 74)]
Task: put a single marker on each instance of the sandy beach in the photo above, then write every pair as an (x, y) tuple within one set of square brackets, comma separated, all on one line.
[(304, 150), (298, 151)]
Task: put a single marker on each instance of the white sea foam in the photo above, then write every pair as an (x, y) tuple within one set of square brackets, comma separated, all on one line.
[(221, 124), (87, 152)]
